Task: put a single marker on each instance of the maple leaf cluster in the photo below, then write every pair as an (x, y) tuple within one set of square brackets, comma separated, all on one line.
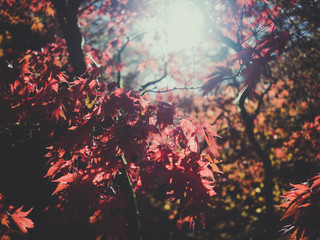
[(302, 206), (256, 59), (110, 132), (251, 59), (103, 137), (302, 202)]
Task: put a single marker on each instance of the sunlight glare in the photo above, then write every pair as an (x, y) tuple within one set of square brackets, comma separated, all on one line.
[(183, 25)]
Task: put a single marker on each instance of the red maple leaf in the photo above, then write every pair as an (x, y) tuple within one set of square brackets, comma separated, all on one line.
[(165, 114), (179, 137), (273, 42), (249, 3), (246, 55), (21, 221), (215, 79), (210, 134), (54, 168), (253, 72), (64, 181)]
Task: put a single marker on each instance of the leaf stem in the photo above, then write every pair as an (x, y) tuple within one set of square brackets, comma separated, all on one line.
[(134, 202)]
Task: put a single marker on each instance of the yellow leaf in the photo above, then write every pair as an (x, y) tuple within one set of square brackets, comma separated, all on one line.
[(37, 25), (50, 11), (215, 168), (87, 102), (4, 220), (61, 113)]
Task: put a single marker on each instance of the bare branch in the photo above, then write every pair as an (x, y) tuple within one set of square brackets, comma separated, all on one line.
[(260, 100), (165, 74), (119, 80), (169, 90)]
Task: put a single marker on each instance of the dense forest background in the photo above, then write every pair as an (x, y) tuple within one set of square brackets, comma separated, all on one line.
[(149, 119)]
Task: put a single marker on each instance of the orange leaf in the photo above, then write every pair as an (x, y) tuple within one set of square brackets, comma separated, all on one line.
[(290, 211), (302, 187), (21, 221), (316, 181), (305, 205)]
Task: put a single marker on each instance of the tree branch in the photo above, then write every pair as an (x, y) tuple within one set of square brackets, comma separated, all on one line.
[(119, 79), (68, 20), (268, 180), (257, 111)]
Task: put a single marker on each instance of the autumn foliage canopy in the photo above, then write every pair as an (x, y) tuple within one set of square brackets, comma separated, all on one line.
[(104, 136)]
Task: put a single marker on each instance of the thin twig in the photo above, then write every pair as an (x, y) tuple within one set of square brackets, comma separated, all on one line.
[(86, 7)]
